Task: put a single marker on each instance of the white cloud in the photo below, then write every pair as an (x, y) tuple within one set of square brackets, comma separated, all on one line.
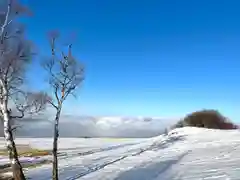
[(71, 126)]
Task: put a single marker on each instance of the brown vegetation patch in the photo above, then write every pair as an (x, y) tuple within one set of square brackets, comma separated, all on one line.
[(27, 151)]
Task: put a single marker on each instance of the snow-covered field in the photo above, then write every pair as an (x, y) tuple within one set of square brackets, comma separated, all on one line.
[(183, 154)]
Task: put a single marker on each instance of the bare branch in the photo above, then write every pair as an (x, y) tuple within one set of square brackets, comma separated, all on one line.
[(50, 102), (6, 22), (65, 73), (30, 103), (9, 9), (15, 127)]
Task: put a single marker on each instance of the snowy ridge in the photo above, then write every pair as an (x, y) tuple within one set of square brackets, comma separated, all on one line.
[(183, 154)]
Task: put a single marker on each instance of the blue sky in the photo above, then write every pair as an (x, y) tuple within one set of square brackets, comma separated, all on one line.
[(149, 57)]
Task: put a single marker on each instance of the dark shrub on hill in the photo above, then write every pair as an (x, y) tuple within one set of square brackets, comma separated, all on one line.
[(211, 119)]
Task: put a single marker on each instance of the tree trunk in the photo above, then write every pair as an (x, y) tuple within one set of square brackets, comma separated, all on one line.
[(8, 135), (55, 145), (11, 147)]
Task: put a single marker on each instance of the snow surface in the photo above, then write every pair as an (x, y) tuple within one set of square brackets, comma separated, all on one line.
[(183, 154)]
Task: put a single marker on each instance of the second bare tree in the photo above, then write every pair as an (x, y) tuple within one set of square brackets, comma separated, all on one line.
[(65, 75)]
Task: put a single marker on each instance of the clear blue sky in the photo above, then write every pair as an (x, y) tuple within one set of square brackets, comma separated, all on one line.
[(148, 57)]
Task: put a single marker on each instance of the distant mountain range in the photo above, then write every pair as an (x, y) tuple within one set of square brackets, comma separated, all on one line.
[(90, 126)]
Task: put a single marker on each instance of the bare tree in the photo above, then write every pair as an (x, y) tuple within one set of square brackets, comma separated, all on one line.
[(15, 55), (65, 75)]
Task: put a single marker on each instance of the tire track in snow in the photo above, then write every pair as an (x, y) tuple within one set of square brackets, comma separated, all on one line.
[(151, 170), (97, 159), (65, 155), (155, 145), (77, 167)]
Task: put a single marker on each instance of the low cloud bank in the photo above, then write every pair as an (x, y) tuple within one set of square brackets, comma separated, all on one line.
[(71, 126)]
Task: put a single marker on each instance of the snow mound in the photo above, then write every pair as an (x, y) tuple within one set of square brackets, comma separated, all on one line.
[(184, 154), (196, 130)]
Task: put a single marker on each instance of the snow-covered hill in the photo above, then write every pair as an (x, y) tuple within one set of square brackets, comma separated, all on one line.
[(183, 154)]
